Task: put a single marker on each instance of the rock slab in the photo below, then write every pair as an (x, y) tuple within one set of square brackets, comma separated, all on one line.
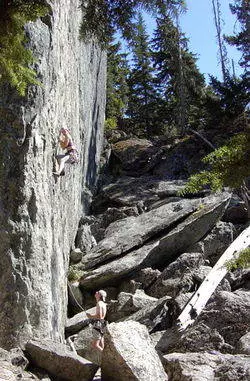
[(59, 361)]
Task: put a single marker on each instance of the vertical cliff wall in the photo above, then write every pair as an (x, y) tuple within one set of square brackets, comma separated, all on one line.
[(39, 213)]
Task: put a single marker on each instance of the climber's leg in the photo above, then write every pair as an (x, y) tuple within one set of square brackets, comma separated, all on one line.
[(61, 160)]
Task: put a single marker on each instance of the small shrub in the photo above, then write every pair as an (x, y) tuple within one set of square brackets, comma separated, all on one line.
[(242, 262), (110, 123), (74, 274)]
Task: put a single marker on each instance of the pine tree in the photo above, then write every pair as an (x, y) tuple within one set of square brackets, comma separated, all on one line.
[(229, 164), (117, 87), (101, 18), (182, 83), (241, 9), (15, 58), (142, 91), (220, 40)]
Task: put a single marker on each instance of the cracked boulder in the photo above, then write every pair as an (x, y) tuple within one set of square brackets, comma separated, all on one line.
[(206, 366), (126, 304), (178, 276), (130, 355), (141, 192), (216, 242), (59, 361), (149, 231)]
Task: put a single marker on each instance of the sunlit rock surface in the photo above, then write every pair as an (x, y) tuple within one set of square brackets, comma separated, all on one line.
[(39, 213)]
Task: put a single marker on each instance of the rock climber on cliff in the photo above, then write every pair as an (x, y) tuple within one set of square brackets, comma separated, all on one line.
[(97, 320), (71, 155)]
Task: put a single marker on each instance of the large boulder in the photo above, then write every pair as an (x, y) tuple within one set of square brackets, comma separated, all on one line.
[(130, 355), (206, 367), (190, 230), (178, 276), (140, 191), (244, 344), (98, 224), (239, 278), (146, 277), (9, 372), (155, 316), (118, 269), (76, 256), (158, 251), (135, 156), (131, 232), (228, 313), (216, 242), (182, 158), (84, 239), (59, 361), (76, 323), (128, 303), (84, 345), (237, 211), (13, 365), (219, 327)]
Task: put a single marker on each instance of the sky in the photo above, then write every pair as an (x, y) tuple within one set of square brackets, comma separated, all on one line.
[(198, 25)]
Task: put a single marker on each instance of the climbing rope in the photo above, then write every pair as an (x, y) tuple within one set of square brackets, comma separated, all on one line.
[(73, 296)]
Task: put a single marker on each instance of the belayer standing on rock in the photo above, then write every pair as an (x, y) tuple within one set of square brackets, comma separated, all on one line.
[(71, 155), (97, 320)]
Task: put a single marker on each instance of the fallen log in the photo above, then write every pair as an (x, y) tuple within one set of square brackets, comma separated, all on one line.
[(202, 138), (211, 281)]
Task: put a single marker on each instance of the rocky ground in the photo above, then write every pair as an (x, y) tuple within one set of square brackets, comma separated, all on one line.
[(150, 248)]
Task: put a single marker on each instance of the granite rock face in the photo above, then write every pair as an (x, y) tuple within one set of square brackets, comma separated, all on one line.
[(39, 214)]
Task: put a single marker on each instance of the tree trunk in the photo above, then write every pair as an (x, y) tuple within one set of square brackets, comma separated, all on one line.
[(221, 45), (202, 138), (211, 281)]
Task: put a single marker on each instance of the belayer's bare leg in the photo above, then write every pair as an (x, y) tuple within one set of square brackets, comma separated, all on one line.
[(97, 344)]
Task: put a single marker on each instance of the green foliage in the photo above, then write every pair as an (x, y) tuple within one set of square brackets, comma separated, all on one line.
[(74, 273), (117, 88), (229, 166), (103, 17), (15, 58), (231, 96), (182, 85), (110, 123), (241, 9), (143, 95), (242, 262)]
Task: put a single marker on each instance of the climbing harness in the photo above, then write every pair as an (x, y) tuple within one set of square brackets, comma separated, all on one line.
[(97, 324)]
